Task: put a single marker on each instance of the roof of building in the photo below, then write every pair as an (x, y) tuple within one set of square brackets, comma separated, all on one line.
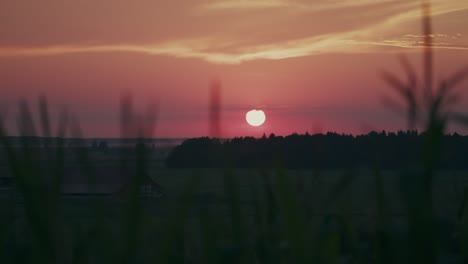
[(104, 180)]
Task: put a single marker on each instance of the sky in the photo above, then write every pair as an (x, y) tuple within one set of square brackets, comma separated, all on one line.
[(310, 65)]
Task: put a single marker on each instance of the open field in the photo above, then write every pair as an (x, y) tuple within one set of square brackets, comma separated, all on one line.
[(323, 192), (324, 197)]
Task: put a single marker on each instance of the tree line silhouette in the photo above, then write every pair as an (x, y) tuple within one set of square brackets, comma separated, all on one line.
[(380, 150)]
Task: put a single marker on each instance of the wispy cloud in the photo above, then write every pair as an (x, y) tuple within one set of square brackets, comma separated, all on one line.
[(305, 5), (232, 50), (329, 43), (248, 4), (439, 41), (201, 49)]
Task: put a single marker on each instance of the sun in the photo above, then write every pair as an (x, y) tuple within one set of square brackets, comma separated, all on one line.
[(255, 117)]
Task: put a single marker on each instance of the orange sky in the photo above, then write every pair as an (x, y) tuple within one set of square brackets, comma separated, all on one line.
[(310, 65)]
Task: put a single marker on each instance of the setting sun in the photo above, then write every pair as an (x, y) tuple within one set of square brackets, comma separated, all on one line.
[(255, 117)]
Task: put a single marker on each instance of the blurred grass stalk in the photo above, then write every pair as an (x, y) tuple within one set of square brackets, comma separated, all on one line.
[(429, 105)]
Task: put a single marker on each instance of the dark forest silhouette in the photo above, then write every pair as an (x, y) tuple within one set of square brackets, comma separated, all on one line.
[(320, 151)]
